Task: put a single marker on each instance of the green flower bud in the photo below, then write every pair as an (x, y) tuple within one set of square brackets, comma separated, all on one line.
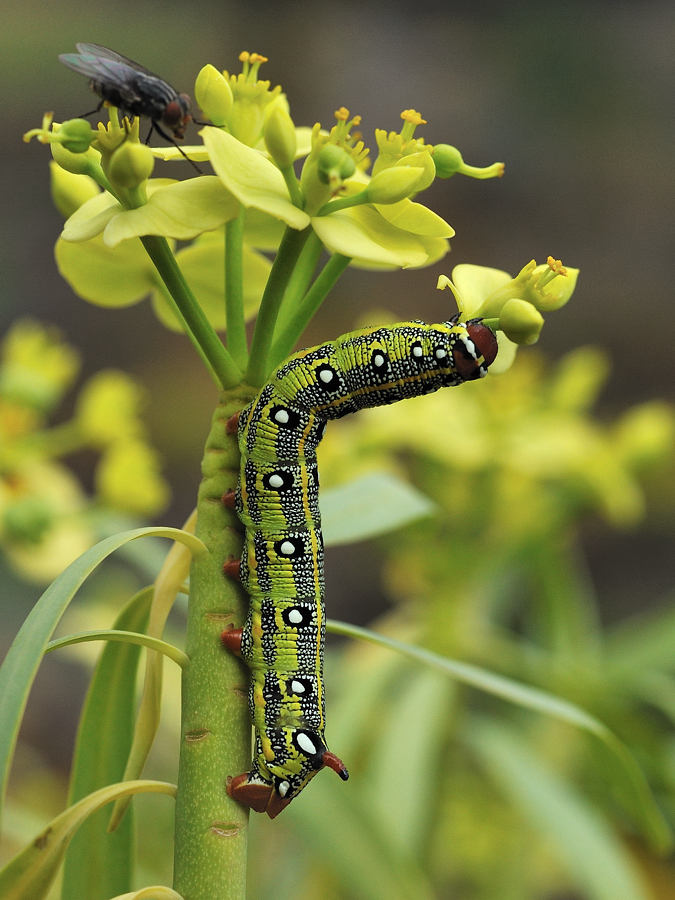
[(448, 161), (70, 191), (394, 184), (27, 520), (521, 322), (334, 163), (279, 135), (76, 135), (214, 95), (646, 434), (130, 165)]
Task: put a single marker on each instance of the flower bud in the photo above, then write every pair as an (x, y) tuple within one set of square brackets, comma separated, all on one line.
[(646, 434), (424, 160), (334, 162), (214, 95), (70, 191), (76, 135), (130, 165), (521, 322), (26, 520), (128, 479), (75, 163), (448, 161), (394, 184), (279, 135)]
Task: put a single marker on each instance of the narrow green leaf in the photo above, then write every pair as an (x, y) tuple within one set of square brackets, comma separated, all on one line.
[(368, 506), (175, 569), (30, 874), (23, 659), (99, 864), (643, 642), (155, 892), (412, 742), (592, 853), (128, 637), (642, 804)]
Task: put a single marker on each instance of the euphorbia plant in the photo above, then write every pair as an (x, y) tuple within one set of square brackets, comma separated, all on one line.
[(117, 247)]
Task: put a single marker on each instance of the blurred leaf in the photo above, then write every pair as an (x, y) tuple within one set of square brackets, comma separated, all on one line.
[(594, 856), (368, 506), (168, 583), (99, 865), (411, 743), (351, 846), (155, 892), (30, 874), (645, 641), (638, 794), (124, 637), (24, 656)]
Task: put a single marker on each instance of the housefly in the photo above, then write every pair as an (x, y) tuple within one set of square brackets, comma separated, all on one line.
[(132, 89)]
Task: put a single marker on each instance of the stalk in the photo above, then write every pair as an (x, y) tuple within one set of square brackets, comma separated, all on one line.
[(212, 829), (165, 262), (234, 290)]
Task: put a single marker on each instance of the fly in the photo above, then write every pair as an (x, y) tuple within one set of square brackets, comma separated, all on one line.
[(133, 90)]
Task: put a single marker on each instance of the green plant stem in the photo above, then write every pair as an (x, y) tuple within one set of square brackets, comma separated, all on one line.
[(318, 292), (293, 187), (129, 637), (193, 340), (287, 256), (212, 829), (300, 280), (234, 290), (219, 359)]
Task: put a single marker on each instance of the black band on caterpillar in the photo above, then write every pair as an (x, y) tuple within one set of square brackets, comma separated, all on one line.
[(277, 500)]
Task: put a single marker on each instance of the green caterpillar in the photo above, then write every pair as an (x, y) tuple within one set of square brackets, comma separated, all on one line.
[(277, 500)]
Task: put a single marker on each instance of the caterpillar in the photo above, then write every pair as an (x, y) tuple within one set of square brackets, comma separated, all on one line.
[(277, 500)]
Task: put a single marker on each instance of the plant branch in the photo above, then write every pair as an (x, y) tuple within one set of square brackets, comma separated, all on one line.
[(234, 290)]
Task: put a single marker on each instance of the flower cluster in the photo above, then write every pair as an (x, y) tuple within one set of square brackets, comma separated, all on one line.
[(252, 144), (46, 519)]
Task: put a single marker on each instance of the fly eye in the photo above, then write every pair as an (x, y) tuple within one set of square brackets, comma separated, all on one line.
[(185, 102), (173, 114)]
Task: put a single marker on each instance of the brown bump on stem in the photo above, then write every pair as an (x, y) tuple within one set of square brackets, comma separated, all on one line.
[(218, 616), (257, 796), (225, 829), (231, 639), (198, 734), (232, 424), (231, 567), (228, 498)]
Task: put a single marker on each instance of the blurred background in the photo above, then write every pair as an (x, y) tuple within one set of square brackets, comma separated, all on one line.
[(576, 98)]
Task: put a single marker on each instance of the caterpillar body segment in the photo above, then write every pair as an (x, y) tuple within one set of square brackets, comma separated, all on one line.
[(277, 500)]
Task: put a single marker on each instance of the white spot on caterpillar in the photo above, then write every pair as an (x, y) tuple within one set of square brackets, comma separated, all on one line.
[(295, 616), (297, 687), (283, 788), (305, 743), (441, 353), (417, 351), (276, 481), (326, 375), (281, 416), (287, 548), (378, 359)]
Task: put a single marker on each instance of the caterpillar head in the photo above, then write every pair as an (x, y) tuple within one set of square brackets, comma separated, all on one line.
[(288, 780), (473, 353)]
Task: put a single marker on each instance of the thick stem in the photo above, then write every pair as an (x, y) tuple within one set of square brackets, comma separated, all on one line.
[(220, 360), (289, 250), (313, 299), (234, 290), (300, 280), (212, 829)]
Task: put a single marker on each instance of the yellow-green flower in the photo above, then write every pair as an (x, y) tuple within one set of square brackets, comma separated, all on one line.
[(512, 306)]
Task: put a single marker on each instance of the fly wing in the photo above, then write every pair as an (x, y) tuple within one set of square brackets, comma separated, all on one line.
[(110, 72), (104, 53)]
